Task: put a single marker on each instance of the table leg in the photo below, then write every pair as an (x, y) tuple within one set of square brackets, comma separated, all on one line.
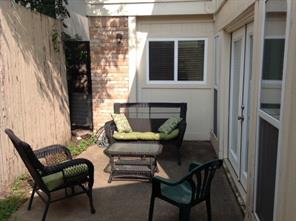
[(152, 166), (112, 169)]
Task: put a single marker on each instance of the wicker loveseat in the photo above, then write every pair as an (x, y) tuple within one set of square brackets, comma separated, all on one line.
[(148, 117)]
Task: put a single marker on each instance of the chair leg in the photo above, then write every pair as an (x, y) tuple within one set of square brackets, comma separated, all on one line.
[(184, 214), (46, 208), (151, 207), (32, 197), (179, 155), (209, 212), (92, 209)]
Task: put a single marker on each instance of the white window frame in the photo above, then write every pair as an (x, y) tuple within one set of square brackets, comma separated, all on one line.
[(217, 68), (175, 81), (216, 80)]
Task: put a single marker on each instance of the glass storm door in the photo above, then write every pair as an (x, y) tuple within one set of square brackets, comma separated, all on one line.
[(241, 60), (268, 127)]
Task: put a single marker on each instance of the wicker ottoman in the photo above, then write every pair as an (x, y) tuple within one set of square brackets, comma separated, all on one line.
[(133, 160)]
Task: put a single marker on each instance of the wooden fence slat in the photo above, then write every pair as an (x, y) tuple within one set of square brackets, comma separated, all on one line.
[(33, 86)]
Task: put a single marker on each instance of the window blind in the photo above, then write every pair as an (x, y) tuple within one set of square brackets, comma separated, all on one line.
[(191, 60), (161, 60)]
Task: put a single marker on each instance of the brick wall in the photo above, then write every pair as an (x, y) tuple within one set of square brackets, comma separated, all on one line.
[(109, 65)]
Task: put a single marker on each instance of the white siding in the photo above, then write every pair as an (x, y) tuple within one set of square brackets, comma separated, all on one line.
[(199, 98)]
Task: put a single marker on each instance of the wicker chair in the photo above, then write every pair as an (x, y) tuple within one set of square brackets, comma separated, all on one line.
[(52, 168), (191, 190)]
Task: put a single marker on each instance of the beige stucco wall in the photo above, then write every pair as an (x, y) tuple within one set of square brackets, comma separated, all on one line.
[(227, 17), (232, 16), (198, 97), (33, 86)]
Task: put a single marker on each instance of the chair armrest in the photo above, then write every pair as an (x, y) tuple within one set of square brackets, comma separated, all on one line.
[(110, 127), (161, 180), (182, 128), (193, 165), (53, 149)]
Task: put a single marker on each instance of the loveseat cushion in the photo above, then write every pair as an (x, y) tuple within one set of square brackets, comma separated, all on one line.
[(169, 125), (125, 136), (146, 135), (121, 123)]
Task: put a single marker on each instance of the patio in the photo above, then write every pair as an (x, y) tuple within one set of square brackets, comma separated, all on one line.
[(129, 200)]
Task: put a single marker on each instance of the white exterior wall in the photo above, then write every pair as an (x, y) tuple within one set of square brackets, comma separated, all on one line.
[(199, 97)]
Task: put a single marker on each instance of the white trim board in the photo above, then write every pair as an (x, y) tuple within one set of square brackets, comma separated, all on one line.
[(134, 8)]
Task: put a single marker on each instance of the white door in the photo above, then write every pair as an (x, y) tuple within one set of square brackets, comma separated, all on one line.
[(236, 75), (242, 49), (246, 105)]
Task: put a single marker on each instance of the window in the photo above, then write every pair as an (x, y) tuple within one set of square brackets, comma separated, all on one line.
[(273, 59), (177, 60), (272, 75)]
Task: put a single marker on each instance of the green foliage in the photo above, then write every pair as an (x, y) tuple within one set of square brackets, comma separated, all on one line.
[(18, 195), (52, 8), (82, 145), (10, 205), (18, 185), (56, 40)]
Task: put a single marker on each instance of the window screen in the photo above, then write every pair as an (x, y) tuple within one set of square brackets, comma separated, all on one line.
[(191, 60), (161, 60), (273, 59)]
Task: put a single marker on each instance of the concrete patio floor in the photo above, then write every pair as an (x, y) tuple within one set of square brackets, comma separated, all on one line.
[(129, 200)]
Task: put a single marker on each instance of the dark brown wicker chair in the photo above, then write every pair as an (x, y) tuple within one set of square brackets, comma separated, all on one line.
[(191, 190), (54, 175)]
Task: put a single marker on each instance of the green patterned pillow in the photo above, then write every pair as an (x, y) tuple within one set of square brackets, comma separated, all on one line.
[(169, 125), (75, 170), (122, 123)]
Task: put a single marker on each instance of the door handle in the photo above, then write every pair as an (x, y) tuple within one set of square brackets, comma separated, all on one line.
[(241, 118)]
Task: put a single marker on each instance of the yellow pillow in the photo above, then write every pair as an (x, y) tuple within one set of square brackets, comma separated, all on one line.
[(121, 123)]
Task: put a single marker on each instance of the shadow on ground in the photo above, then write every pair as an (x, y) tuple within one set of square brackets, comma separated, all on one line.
[(129, 200)]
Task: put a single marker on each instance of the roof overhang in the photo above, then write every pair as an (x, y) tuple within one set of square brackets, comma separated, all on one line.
[(149, 7)]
